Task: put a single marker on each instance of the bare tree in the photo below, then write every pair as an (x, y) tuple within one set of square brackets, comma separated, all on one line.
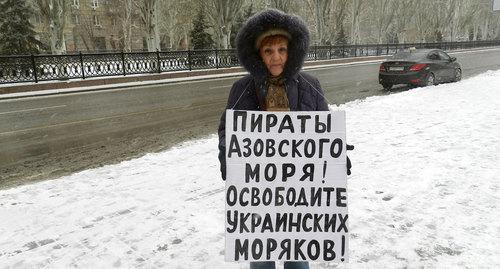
[(177, 17), (357, 9), (442, 16), (496, 26), (338, 18), (468, 16), (422, 21), (171, 23), (403, 18), (86, 32), (53, 13), (124, 15), (453, 26), (283, 5), (485, 18), (383, 15), (150, 16), (322, 13), (167, 23), (222, 14)]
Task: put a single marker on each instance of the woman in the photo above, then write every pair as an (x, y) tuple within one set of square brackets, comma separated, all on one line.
[(272, 47)]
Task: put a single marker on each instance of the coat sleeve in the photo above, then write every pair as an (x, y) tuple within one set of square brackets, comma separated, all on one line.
[(234, 95)]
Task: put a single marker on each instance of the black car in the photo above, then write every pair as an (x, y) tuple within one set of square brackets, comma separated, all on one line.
[(422, 67)]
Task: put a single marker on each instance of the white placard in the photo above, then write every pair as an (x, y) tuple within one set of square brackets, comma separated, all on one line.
[(496, 5), (286, 186)]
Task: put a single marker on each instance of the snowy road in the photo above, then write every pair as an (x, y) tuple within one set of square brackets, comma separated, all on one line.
[(424, 192)]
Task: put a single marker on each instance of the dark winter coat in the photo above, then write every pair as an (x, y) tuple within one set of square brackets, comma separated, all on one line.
[(303, 91)]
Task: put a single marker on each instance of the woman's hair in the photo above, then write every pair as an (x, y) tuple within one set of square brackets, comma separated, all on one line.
[(273, 39)]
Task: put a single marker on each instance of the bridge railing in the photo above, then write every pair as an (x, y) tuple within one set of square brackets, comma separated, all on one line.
[(35, 68)]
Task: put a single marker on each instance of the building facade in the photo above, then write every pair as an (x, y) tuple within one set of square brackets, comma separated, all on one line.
[(95, 26)]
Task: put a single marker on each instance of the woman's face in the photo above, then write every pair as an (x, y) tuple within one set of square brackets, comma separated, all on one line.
[(274, 53)]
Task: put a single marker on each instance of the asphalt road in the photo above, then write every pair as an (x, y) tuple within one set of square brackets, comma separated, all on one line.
[(49, 136)]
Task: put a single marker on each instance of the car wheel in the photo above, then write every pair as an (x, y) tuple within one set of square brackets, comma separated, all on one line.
[(387, 86), (431, 80), (458, 74)]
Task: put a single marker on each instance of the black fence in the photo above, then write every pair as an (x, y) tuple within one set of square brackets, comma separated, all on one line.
[(35, 68)]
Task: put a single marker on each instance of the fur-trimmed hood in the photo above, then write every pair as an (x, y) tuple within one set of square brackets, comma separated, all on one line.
[(258, 24)]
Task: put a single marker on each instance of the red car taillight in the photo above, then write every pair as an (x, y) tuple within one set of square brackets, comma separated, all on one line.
[(417, 67), (381, 68)]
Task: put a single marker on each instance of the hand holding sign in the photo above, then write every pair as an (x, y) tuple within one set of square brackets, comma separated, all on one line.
[(349, 165)]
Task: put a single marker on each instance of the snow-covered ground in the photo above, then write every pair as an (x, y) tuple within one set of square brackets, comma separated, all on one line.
[(424, 193)]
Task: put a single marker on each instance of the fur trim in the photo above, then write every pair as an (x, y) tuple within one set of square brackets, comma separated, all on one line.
[(263, 22)]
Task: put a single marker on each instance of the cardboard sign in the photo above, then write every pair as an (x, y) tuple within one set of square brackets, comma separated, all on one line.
[(286, 195)]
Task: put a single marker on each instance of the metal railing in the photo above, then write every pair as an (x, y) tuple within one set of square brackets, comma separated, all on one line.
[(35, 68)]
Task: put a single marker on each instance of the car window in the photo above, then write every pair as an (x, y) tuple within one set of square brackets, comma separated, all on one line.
[(433, 56), (410, 56), (443, 56)]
